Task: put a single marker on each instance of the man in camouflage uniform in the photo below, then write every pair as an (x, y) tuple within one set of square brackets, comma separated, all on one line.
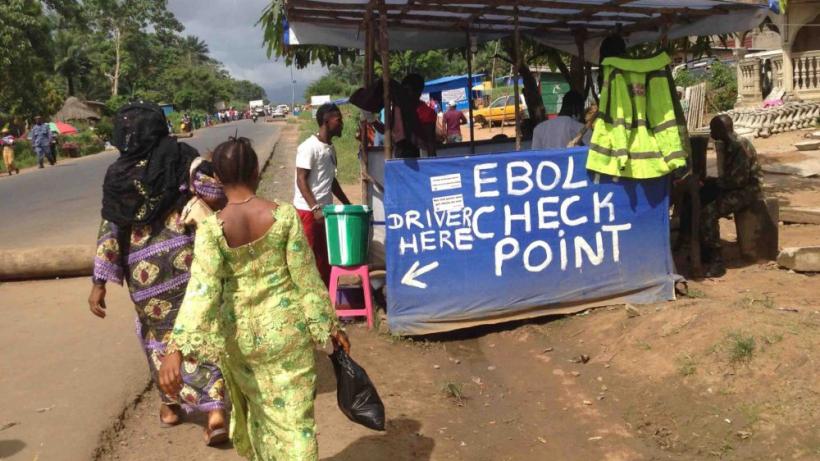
[(737, 188)]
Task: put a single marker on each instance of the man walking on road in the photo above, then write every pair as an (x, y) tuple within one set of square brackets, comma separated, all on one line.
[(316, 182), (453, 119), (41, 138)]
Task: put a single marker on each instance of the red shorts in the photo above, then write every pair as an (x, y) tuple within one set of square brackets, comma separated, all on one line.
[(317, 239)]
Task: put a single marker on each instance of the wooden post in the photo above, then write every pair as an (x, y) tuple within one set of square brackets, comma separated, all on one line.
[(470, 91), (364, 126), (517, 65), (384, 50), (577, 72)]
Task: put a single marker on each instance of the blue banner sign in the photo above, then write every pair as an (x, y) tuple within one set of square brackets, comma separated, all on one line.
[(511, 235)]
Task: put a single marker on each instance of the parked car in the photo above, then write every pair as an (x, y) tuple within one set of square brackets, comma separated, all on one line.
[(284, 108), (278, 112), (499, 111)]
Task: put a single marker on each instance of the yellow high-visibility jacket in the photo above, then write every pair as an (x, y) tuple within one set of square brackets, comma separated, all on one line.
[(640, 131)]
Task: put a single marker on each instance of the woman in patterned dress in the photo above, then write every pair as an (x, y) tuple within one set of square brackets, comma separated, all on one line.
[(257, 305), (143, 242)]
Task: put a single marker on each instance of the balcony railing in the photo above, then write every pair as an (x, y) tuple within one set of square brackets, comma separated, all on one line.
[(805, 77)]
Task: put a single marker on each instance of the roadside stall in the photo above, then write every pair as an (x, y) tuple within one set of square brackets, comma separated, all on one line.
[(492, 231)]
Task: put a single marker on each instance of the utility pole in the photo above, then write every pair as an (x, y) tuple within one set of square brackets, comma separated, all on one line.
[(292, 90)]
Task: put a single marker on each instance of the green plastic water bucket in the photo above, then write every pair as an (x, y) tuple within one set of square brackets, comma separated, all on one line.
[(348, 234)]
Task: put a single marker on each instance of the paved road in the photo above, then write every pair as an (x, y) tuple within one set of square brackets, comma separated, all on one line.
[(61, 205), (65, 376)]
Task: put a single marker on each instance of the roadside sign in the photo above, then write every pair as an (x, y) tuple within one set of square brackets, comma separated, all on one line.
[(482, 237)]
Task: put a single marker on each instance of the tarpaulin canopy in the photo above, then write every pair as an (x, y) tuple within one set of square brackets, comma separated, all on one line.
[(435, 24)]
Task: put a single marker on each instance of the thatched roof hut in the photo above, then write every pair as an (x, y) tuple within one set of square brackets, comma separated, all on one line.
[(74, 109)]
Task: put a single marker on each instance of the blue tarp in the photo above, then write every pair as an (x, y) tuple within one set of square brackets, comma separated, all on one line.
[(452, 88), (511, 235)]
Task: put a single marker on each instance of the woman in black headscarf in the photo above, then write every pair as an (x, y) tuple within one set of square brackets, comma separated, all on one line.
[(143, 241)]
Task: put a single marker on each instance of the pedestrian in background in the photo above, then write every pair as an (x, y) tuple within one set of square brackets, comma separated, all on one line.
[(453, 118), (316, 184), (7, 142), (41, 139)]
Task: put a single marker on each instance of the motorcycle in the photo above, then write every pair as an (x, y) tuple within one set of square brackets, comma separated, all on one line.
[(254, 117)]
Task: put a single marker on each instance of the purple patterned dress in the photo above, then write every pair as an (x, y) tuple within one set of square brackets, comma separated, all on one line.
[(158, 271)]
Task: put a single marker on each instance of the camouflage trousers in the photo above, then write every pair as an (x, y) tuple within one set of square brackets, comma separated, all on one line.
[(716, 204)]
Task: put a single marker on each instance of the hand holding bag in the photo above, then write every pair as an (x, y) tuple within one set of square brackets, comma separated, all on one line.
[(355, 393)]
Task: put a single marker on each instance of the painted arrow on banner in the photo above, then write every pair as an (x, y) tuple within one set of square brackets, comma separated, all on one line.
[(409, 278)]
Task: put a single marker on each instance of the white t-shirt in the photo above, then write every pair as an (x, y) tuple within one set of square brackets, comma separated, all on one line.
[(557, 133), (320, 159)]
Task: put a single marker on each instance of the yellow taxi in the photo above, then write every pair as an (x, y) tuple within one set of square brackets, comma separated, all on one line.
[(499, 111)]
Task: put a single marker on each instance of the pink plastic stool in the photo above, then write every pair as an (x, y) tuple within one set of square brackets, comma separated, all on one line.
[(364, 275)]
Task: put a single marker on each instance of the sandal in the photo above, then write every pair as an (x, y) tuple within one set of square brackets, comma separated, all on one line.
[(217, 436)]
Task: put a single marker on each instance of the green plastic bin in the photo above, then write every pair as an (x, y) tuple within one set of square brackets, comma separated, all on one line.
[(348, 234)]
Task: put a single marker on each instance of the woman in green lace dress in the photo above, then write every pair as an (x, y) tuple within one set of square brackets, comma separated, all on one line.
[(256, 305)]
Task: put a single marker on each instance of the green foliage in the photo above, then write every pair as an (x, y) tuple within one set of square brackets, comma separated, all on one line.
[(24, 155), (244, 90), (195, 87), (721, 82), (454, 391), (25, 60), (328, 84), (687, 365), (107, 50), (741, 347), (87, 142), (105, 128)]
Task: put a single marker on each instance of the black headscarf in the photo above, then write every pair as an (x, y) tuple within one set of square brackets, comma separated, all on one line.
[(143, 184)]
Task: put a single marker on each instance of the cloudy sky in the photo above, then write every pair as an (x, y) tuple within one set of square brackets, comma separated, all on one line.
[(228, 27)]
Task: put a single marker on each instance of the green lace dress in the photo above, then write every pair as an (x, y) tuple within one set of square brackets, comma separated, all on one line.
[(258, 310)]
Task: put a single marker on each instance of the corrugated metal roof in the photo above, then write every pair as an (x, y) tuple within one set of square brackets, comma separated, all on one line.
[(438, 24)]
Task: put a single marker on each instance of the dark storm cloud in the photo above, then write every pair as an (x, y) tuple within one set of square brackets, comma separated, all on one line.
[(229, 28)]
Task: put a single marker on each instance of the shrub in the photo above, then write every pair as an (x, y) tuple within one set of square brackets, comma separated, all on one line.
[(24, 155), (87, 142), (721, 82), (104, 128)]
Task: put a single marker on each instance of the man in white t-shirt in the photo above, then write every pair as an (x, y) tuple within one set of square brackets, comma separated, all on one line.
[(558, 132), (316, 183)]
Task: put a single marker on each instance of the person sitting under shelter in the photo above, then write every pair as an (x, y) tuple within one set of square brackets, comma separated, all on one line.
[(740, 185), (560, 131)]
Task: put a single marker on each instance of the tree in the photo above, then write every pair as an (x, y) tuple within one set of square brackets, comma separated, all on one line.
[(110, 50), (123, 20), (196, 87), (25, 59), (330, 85), (194, 50), (71, 60), (244, 90)]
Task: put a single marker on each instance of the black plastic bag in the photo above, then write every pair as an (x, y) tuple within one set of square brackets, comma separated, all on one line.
[(355, 393)]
